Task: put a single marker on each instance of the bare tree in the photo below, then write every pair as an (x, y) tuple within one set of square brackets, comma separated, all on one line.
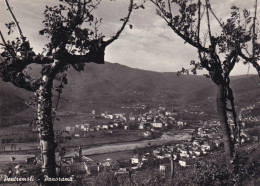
[(74, 40), (218, 53)]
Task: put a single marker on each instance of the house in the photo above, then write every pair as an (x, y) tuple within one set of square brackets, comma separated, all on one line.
[(132, 118), (207, 146), (183, 150), (157, 124), (197, 152), (135, 160), (68, 128), (145, 160), (147, 134), (136, 166), (84, 127), (167, 113), (186, 162), (116, 125), (159, 156), (184, 155), (141, 126), (109, 116), (181, 123), (149, 118), (162, 168)]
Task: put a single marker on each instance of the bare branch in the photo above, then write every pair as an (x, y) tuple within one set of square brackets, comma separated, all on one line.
[(208, 21), (130, 8), (254, 32), (15, 20)]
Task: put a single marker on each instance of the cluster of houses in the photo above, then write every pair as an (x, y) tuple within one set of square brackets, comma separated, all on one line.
[(154, 120), (185, 153), (86, 127), (245, 113), (205, 139)]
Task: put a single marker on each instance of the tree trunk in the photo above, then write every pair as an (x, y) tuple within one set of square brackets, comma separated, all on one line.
[(45, 128), (172, 168), (222, 114)]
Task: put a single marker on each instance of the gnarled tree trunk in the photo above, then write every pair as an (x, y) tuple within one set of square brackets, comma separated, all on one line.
[(222, 113), (45, 127)]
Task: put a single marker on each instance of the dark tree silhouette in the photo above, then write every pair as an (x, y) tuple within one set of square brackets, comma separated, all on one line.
[(218, 52), (74, 40)]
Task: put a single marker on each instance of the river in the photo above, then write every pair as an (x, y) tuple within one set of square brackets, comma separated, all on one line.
[(130, 145)]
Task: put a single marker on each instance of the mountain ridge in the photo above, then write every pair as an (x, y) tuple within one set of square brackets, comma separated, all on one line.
[(112, 85)]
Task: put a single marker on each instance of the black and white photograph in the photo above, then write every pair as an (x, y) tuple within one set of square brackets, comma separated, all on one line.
[(129, 92)]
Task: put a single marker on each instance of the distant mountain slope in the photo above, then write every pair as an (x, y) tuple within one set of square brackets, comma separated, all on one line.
[(113, 85)]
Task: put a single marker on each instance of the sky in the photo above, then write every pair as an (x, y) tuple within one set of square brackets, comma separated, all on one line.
[(150, 45)]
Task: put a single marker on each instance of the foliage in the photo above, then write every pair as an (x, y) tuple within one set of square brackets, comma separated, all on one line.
[(70, 23), (212, 171)]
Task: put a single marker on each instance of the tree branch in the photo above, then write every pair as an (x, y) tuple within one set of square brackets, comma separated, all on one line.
[(15, 20), (254, 32), (113, 38), (185, 38), (208, 23)]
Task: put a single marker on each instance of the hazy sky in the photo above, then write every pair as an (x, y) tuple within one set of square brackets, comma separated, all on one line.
[(150, 45)]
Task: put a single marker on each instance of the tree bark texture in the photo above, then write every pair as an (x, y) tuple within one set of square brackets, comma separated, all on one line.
[(222, 113), (45, 128)]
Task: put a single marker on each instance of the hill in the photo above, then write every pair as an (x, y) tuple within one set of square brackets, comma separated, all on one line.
[(111, 86)]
